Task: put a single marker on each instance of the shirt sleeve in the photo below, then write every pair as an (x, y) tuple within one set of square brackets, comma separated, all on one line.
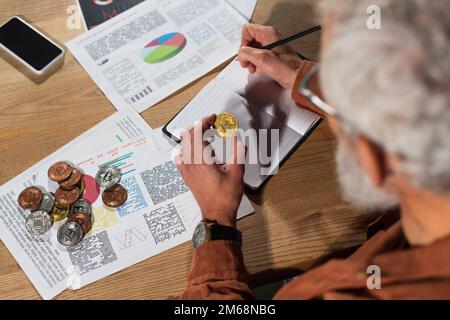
[(218, 273), (300, 100)]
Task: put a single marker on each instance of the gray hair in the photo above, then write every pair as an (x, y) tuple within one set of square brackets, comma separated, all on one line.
[(393, 84)]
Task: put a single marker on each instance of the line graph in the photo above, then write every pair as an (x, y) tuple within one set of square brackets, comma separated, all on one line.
[(130, 237), (124, 163)]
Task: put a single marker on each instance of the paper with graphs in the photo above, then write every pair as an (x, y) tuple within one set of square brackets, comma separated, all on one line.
[(160, 212), (157, 47)]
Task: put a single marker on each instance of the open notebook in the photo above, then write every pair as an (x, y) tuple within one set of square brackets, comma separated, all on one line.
[(258, 103)]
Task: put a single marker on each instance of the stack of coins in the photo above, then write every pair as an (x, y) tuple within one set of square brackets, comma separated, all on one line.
[(79, 220), (71, 188), (39, 204), (78, 224), (114, 195), (46, 208)]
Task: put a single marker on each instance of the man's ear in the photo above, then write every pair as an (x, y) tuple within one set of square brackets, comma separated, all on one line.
[(373, 160)]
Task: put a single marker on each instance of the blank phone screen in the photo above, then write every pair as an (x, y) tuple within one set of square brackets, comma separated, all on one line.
[(27, 44)]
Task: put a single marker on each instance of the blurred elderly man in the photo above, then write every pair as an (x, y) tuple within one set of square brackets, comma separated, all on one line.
[(386, 95)]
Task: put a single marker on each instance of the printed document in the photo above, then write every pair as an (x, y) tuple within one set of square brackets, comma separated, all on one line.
[(150, 51), (160, 212), (245, 7)]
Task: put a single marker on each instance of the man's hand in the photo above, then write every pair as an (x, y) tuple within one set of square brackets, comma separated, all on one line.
[(218, 189), (281, 64)]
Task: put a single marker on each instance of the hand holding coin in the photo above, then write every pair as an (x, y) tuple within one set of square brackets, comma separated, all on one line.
[(220, 189)]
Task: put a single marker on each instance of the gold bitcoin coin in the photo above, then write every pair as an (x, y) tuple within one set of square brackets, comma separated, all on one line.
[(59, 212), (226, 124)]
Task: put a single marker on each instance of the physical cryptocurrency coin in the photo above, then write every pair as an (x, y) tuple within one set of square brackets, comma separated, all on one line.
[(60, 172), (226, 124), (70, 234), (59, 212), (30, 198), (67, 198), (81, 206), (115, 196), (47, 203), (108, 176), (73, 180), (38, 223), (82, 187), (83, 220)]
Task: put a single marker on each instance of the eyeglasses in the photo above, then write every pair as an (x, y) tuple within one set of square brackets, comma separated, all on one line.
[(304, 89)]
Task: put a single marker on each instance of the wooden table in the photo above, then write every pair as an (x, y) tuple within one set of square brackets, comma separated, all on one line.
[(300, 218)]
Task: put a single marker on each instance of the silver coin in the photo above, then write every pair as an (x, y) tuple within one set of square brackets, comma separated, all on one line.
[(47, 203), (81, 206), (108, 176), (70, 234), (38, 223)]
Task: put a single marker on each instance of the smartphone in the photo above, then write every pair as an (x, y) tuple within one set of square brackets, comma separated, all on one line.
[(28, 46)]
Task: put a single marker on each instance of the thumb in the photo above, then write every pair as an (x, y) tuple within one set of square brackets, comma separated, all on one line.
[(236, 164)]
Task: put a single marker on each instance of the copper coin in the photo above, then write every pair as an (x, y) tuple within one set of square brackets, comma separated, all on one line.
[(66, 198), (73, 180), (60, 172), (83, 220), (30, 198), (115, 196)]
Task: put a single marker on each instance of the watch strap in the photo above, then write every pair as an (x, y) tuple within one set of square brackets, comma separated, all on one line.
[(220, 232)]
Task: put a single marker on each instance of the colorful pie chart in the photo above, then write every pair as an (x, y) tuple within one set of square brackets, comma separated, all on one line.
[(92, 190), (164, 48)]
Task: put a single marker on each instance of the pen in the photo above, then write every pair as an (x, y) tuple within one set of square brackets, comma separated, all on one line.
[(292, 38)]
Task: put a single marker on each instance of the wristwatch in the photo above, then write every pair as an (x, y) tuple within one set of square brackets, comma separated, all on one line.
[(208, 230)]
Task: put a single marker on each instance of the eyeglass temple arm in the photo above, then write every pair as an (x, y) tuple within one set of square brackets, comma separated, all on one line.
[(304, 89)]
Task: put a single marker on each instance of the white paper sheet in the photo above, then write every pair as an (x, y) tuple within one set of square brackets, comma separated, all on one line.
[(245, 7), (160, 212), (121, 127), (124, 60)]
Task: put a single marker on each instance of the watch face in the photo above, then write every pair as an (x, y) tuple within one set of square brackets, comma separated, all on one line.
[(199, 235)]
